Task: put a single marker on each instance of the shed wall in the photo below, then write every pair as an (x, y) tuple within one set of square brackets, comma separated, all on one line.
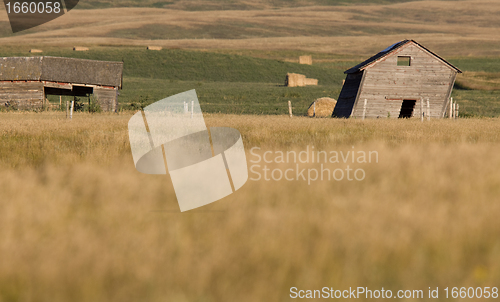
[(386, 85), (21, 95), (107, 98)]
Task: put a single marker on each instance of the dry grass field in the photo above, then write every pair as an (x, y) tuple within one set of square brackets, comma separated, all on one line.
[(79, 223)]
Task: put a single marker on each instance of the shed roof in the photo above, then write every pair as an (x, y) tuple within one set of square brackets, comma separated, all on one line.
[(59, 69), (389, 50)]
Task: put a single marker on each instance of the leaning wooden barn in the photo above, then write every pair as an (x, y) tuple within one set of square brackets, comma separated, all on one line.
[(26, 81), (398, 82)]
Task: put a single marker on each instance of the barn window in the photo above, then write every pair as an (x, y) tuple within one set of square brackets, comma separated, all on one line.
[(404, 61)]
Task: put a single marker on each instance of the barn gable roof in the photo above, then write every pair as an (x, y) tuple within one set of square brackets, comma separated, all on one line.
[(389, 50)]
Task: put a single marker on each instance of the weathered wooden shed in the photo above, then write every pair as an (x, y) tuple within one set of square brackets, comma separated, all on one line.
[(396, 82), (25, 81)]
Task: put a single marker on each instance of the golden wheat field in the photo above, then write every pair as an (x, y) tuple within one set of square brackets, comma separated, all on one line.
[(79, 223)]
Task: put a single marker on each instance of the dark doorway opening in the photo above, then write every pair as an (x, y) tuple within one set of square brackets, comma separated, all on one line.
[(407, 108), (77, 91)]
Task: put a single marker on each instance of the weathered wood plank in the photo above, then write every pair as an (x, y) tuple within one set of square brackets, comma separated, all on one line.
[(107, 98)]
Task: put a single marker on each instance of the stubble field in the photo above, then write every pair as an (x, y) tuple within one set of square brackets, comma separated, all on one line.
[(451, 28)]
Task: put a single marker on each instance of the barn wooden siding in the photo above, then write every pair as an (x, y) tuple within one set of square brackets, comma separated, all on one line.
[(107, 98), (24, 81), (21, 94), (385, 85)]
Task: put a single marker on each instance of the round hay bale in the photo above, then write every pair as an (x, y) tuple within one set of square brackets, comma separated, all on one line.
[(324, 107)]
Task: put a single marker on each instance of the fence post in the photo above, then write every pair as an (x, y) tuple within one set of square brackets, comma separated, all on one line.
[(450, 115), (71, 111), (421, 109), (456, 115), (364, 109), (290, 108), (428, 110)]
